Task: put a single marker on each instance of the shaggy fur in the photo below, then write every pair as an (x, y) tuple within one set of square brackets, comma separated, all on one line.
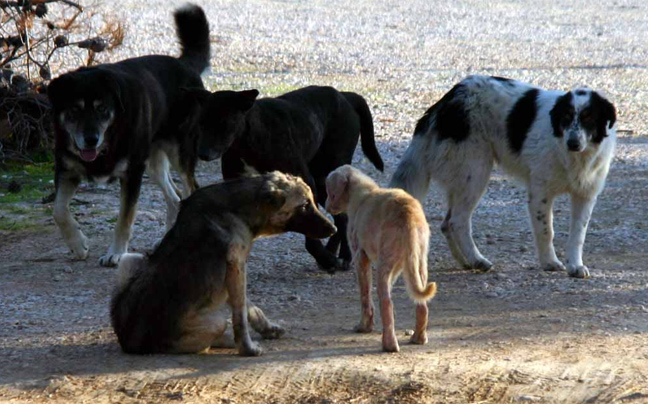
[(387, 227), (168, 303), (114, 121), (307, 132), (555, 142)]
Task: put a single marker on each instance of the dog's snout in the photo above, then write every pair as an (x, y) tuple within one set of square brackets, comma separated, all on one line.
[(91, 140), (573, 145)]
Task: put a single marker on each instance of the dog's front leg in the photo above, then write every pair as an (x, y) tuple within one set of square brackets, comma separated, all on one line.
[(130, 190), (540, 211), (236, 285), (74, 238), (581, 210)]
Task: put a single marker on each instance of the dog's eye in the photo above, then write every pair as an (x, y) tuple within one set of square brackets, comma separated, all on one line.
[(305, 206), (567, 120), (101, 109)]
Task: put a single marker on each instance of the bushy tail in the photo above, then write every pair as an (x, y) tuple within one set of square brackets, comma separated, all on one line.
[(415, 272), (367, 139), (412, 173), (129, 267), (193, 31)]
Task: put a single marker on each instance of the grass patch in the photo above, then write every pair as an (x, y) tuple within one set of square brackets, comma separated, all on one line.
[(35, 181)]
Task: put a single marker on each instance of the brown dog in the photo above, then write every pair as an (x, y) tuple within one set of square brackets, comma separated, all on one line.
[(388, 227), (168, 302)]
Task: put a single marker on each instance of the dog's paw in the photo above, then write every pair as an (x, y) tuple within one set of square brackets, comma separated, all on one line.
[(250, 349), (482, 265), (110, 260), (419, 339), (581, 272), (390, 345), (344, 265), (79, 245), (274, 331), (553, 267), (363, 328)]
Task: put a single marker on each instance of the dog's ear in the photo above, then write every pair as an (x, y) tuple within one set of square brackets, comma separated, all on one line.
[(246, 99), (562, 111), (605, 116), (56, 89), (607, 111), (337, 188), (273, 197), (194, 93)]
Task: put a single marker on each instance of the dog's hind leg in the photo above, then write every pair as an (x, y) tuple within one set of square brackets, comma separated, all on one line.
[(158, 169), (464, 193), (200, 332), (72, 235), (385, 280), (580, 216), (130, 190), (363, 266), (262, 325)]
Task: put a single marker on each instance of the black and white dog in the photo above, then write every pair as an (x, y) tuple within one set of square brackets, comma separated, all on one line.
[(555, 142), (113, 120)]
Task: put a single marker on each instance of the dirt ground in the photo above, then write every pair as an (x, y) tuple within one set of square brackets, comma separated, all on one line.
[(516, 334)]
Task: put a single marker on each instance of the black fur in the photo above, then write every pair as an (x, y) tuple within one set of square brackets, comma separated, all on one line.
[(307, 132), (605, 114), (450, 119), (193, 31), (561, 114), (520, 119)]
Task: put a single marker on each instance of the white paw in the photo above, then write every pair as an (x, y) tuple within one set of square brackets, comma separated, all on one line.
[(581, 271), (553, 267), (78, 244), (110, 260)]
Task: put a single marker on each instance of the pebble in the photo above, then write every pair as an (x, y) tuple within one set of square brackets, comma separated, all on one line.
[(529, 399), (409, 333)]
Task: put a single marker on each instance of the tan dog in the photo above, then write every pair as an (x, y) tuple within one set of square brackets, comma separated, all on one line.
[(387, 227)]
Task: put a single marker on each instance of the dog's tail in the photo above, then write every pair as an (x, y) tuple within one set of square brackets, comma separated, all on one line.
[(193, 31), (412, 173), (416, 271), (367, 139)]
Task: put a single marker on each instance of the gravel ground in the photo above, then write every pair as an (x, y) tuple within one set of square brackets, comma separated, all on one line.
[(514, 335)]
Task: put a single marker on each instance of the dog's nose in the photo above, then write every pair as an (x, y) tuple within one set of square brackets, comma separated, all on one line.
[(573, 145), (91, 140)]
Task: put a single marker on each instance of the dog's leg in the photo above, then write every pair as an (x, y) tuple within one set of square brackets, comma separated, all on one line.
[(462, 201), (72, 235), (262, 325), (202, 332), (420, 333), (236, 284), (363, 266), (448, 232), (130, 190), (339, 240), (580, 215), (389, 340), (540, 210), (159, 172)]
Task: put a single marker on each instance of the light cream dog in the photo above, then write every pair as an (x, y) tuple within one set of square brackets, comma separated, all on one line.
[(387, 227)]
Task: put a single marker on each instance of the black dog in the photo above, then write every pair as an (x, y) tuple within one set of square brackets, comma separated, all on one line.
[(112, 120), (308, 132), (168, 303)]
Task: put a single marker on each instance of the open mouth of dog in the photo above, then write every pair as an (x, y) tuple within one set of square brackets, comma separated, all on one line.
[(88, 154)]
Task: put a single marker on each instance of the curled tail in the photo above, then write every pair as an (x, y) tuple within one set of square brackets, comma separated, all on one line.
[(192, 29), (415, 272), (412, 173), (367, 139)]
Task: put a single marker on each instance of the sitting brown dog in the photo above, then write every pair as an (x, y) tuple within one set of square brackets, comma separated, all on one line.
[(388, 227), (168, 302)]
